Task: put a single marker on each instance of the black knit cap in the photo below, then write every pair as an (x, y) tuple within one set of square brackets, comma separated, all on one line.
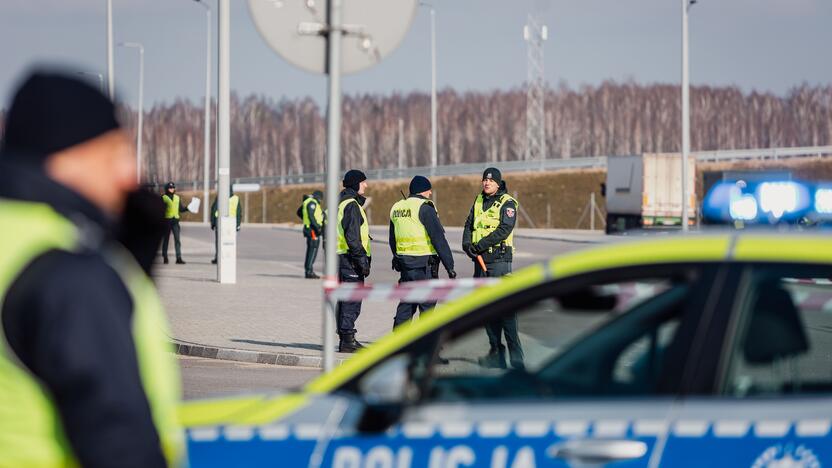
[(419, 184), (318, 195), (353, 178), (492, 173), (51, 112)]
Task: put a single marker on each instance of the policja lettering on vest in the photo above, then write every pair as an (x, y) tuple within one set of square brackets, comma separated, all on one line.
[(313, 230), (354, 253), (417, 240), (489, 233), (76, 260), (173, 206), (235, 210)]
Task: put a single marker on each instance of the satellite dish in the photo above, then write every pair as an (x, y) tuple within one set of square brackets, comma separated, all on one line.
[(296, 30)]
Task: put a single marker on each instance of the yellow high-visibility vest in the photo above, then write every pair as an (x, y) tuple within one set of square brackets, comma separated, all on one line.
[(486, 222), (364, 229), (411, 236), (318, 214), (233, 204), (31, 432), (171, 206)]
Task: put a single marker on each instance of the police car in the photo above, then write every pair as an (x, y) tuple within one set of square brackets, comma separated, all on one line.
[(701, 350)]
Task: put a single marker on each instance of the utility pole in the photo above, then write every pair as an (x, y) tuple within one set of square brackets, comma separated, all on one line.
[(333, 172), (401, 143), (227, 245), (686, 4), (206, 165), (139, 130), (110, 73), (535, 34)]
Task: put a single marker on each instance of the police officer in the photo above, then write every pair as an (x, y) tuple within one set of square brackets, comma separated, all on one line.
[(86, 373), (417, 240), (234, 210), (313, 230), (173, 206), (353, 253), (489, 235)]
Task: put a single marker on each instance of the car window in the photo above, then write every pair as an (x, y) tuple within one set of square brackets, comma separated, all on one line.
[(602, 338), (783, 338)]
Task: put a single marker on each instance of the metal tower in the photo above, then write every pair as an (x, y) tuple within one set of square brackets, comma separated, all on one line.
[(535, 35)]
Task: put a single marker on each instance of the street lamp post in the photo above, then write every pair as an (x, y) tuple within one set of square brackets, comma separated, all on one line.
[(140, 47), (110, 73), (433, 141), (207, 143), (686, 4)]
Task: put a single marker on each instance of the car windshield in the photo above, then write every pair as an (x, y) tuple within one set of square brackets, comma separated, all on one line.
[(602, 339)]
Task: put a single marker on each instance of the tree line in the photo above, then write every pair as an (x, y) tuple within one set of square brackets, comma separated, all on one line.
[(288, 136)]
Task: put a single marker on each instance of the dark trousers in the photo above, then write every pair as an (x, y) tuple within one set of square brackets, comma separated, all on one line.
[(347, 313), (406, 310), (216, 230), (311, 253), (504, 325), (172, 226)]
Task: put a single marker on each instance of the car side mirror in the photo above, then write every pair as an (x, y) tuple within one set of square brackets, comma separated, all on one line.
[(385, 391)]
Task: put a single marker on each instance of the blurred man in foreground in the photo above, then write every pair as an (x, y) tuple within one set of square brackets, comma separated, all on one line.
[(85, 373)]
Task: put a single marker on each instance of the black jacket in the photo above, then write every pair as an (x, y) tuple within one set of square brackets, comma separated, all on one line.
[(67, 317), (430, 219), (351, 223), (508, 219)]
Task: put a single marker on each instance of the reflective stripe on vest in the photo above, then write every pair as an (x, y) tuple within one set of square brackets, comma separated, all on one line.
[(486, 222), (233, 203), (31, 434), (171, 206), (411, 236), (364, 229), (319, 214)]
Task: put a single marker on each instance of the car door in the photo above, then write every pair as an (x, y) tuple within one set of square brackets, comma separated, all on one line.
[(767, 394), (603, 356)]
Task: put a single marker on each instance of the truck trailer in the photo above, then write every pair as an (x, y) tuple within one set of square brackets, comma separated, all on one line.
[(644, 191)]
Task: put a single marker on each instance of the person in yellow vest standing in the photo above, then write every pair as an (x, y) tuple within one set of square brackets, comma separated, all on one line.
[(488, 239), (173, 206), (87, 376), (235, 210), (353, 254), (313, 230), (417, 240)]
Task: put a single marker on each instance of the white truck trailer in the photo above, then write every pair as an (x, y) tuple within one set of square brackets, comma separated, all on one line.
[(646, 191)]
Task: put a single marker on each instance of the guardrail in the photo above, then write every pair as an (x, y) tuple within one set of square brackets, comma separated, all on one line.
[(518, 166)]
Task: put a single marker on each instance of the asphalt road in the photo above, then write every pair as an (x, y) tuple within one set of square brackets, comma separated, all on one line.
[(206, 378)]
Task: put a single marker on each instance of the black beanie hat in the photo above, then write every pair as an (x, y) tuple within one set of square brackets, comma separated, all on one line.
[(318, 195), (51, 112), (419, 184), (353, 178), (492, 173)]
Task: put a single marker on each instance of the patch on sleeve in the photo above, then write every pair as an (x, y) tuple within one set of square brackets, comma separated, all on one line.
[(510, 212), (312, 205)]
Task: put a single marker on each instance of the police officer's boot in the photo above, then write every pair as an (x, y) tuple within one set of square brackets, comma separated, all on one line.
[(179, 261), (495, 359), (348, 344), (165, 260)]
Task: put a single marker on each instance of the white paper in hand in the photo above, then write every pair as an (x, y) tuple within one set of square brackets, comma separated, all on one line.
[(193, 206)]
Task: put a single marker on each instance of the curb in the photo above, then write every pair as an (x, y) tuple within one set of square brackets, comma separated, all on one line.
[(254, 357)]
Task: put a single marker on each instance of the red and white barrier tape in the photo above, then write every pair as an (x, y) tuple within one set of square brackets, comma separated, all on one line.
[(446, 289), (415, 291)]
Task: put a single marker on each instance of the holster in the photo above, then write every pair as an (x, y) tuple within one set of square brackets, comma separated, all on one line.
[(433, 263)]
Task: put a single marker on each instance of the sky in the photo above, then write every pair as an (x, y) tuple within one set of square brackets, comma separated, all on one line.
[(765, 45)]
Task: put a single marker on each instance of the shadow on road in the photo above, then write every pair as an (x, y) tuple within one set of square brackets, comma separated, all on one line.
[(310, 346)]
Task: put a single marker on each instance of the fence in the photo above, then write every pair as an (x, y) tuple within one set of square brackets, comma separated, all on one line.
[(520, 166)]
